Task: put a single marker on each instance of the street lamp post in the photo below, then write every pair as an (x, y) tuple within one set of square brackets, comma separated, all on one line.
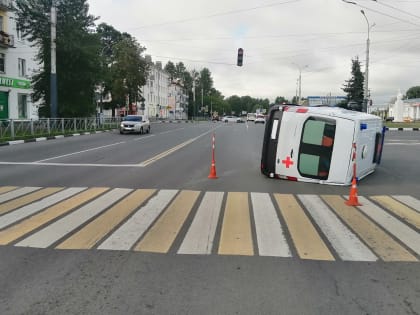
[(366, 85), (366, 92)]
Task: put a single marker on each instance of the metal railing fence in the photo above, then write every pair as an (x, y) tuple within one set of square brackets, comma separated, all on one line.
[(15, 129)]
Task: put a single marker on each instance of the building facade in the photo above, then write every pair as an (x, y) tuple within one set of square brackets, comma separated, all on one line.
[(156, 91), (405, 110), (16, 67), (178, 100)]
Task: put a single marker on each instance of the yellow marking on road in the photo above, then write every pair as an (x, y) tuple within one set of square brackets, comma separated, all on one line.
[(92, 233), (236, 236), (16, 231), (377, 239), (6, 189), (22, 201), (162, 234), (401, 210), (306, 239)]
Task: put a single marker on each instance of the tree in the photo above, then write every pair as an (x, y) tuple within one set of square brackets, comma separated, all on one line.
[(78, 49), (281, 100), (170, 68), (413, 92), (128, 70), (354, 86)]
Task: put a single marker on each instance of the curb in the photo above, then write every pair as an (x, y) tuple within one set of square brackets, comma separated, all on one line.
[(14, 142), (402, 129)]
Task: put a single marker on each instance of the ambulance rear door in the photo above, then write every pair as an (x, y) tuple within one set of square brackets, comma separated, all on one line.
[(271, 141)]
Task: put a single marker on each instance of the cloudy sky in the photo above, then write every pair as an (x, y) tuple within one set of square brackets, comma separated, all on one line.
[(280, 39)]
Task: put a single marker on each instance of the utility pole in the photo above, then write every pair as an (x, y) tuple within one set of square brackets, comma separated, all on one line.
[(300, 80), (366, 92), (53, 83)]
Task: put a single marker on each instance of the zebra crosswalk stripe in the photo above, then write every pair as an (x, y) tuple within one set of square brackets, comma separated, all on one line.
[(306, 239), (270, 235), (404, 233), (6, 189), (24, 227), (345, 242), (57, 230), (409, 201), (200, 236), (92, 233), (162, 234), (30, 209), (399, 209), (27, 199), (133, 229), (377, 239), (17, 193)]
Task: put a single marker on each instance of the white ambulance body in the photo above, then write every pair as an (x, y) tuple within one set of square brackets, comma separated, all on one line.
[(315, 144)]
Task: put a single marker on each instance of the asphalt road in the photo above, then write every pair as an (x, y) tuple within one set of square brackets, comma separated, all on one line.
[(178, 156)]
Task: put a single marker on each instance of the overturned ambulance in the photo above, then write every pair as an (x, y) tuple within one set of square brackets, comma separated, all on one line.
[(316, 144)]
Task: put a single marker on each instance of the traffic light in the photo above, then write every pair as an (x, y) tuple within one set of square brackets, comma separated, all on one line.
[(240, 57)]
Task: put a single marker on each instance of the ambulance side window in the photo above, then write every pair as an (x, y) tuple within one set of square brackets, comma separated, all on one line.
[(316, 147)]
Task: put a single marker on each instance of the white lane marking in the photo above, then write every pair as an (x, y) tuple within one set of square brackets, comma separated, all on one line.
[(131, 231), (346, 243), (28, 210), (57, 230), (270, 236), (409, 201), (402, 144), (79, 152), (200, 235), (404, 233), (174, 149), (70, 164), (17, 193)]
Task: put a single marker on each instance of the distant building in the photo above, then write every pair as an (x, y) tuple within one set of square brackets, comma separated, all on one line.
[(177, 100), (328, 100), (156, 91), (405, 110), (16, 67)]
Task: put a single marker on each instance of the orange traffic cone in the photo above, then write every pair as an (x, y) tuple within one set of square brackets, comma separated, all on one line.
[(212, 174), (353, 201), (213, 170)]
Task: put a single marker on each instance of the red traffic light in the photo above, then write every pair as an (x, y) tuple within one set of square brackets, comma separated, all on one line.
[(240, 57)]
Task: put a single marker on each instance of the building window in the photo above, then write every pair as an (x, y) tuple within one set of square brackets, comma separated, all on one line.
[(2, 62), (18, 32), (23, 106), (22, 67)]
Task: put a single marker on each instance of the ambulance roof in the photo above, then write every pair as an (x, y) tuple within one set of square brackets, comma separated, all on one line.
[(332, 111)]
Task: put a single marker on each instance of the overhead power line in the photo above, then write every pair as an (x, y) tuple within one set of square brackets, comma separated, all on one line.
[(217, 14), (397, 9)]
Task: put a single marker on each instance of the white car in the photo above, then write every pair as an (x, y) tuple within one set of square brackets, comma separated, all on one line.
[(228, 119), (135, 123), (260, 119)]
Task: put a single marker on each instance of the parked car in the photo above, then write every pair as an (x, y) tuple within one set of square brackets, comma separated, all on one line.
[(389, 119), (135, 124), (228, 119)]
